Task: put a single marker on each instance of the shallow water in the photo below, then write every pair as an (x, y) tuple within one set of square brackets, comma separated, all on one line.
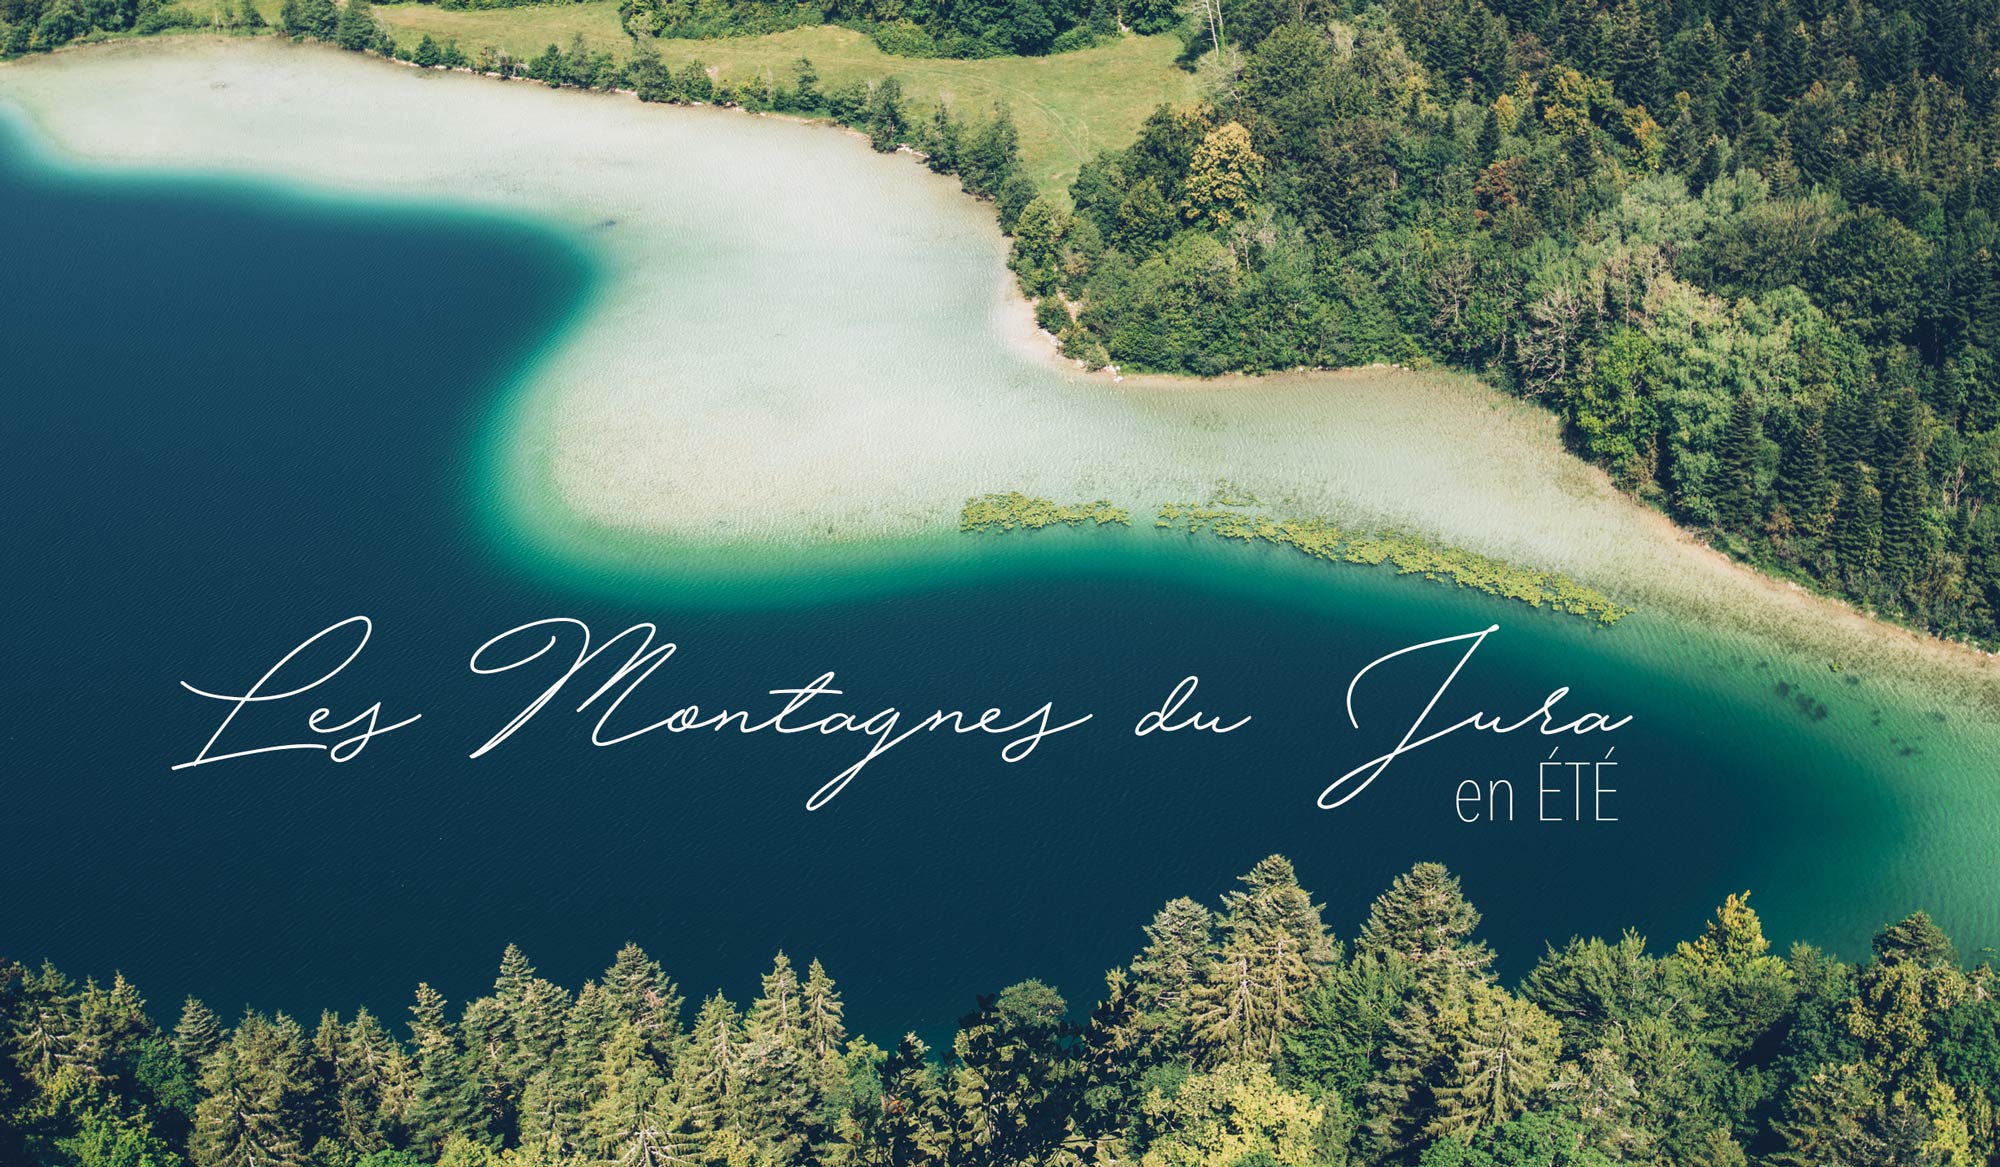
[(250, 413)]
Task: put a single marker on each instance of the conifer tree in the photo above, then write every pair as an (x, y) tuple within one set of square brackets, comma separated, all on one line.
[(822, 1008), (199, 1032), (356, 30), (1499, 1064), (775, 1016), (638, 991), (1425, 919), (316, 19), (1179, 949), (254, 1098), (447, 1099), (1742, 444), (942, 143), (1858, 525), (636, 1120), (1486, 147), (373, 1084), (709, 1071), (45, 1023)]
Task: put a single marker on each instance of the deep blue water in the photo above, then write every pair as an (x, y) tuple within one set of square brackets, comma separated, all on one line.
[(236, 416)]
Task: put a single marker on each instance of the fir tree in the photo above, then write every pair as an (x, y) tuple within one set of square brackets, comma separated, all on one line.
[(1499, 1064), (639, 992), (356, 29), (317, 19), (44, 1024), (635, 1120), (942, 143), (199, 1032), (1179, 949), (446, 1099), (1486, 147), (709, 1071), (1424, 918), (254, 1098), (822, 1008), (1742, 445)]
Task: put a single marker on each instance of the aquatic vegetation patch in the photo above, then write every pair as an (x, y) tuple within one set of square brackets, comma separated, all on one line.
[(1410, 554), (1005, 512)]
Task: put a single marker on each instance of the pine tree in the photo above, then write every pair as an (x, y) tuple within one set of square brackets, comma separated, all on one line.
[(640, 993), (1400, 1100), (709, 1071), (822, 1007), (886, 125), (1486, 148), (1857, 526), (199, 1033), (374, 1085), (776, 1099), (1737, 496), (1275, 952), (1180, 946), (1424, 918), (316, 19), (775, 1016), (941, 144), (356, 30), (636, 1121), (446, 1100), (45, 1023), (1499, 1064), (254, 1098), (110, 1024), (1903, 494), (1804, 484)]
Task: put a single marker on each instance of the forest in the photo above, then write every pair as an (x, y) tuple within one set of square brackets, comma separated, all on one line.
[(1744, 251), (1243, 1034)]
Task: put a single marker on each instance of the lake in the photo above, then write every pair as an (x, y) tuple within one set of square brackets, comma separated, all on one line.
[(242, 411)]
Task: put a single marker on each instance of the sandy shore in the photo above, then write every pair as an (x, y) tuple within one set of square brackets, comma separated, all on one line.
[(800, 343)]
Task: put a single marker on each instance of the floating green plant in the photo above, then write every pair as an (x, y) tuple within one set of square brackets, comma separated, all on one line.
[(1410, 554), (1004, 512), (1226, 517)]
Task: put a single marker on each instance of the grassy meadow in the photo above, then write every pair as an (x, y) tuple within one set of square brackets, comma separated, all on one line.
[(1068, 107)]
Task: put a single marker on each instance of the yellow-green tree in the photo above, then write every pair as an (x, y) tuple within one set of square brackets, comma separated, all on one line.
[(1223, 177), (1238, 1113)]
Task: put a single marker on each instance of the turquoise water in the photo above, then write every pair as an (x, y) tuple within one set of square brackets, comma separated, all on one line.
[(240, 416)]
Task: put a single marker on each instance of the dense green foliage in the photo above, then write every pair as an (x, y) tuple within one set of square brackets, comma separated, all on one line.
[(1239, 1036), (1746, 251), (914, 28), (30, 26)]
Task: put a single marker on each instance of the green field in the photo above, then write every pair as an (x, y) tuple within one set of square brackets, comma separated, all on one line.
[(1068, 107)]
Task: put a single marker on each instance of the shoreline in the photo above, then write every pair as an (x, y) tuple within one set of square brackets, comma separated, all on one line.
[(601, 450)]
